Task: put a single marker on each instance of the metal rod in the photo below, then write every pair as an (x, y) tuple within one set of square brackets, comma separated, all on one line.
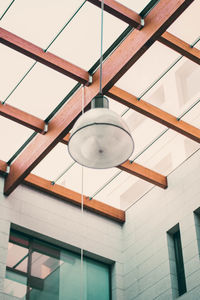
[(7, 9), (19, 82), (105, 184), (21, 148), (63, 173), (185, 112), (57, 35), (101, 48)]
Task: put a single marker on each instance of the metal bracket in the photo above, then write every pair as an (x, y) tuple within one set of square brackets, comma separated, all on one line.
[(141, 24), (45, 128), (7, 169), (89, 81)]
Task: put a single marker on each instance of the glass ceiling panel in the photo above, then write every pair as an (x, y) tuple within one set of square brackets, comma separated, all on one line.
[(168, 152), (186, 27), (93, 179), (13, 67), (147, 69), (80, 43), (41, 91), (143, 130), (178, 89), (12, 136), (4, 4), (137, 6), (117, 193), (54, 164), (39, 21)]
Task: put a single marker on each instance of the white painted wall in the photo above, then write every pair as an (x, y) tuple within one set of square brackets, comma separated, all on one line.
[(140, 248)]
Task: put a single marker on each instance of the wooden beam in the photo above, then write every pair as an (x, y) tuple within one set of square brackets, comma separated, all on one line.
[(22, 117), (68, 195), (3, 167), (180, 46), (144, 173), (128, 52), (154, 113), (56, 63), (121, 12)]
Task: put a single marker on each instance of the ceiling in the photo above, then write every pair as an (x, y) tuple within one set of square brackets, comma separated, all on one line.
[(159, 76)]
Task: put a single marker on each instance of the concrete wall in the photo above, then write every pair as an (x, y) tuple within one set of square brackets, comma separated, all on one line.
[(140, 248), (148, 273), (63, 223)]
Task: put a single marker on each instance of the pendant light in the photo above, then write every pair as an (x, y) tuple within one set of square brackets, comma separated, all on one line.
[(100, 138)]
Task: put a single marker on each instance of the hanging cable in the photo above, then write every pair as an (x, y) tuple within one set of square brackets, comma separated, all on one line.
[(101, 48), (82, 206), (7, 9)]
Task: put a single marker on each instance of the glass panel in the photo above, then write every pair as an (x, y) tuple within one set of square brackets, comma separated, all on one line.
[(51, 17), (4, 5), (97, 281), (80, 43), (93, 179), (124, 190), (186, 27), (54, 164), (137, 6), (147, 69), (12, 136), (17, 257), (13, 67), (168, 152), (15, 285), (41, 91), (54, 274)]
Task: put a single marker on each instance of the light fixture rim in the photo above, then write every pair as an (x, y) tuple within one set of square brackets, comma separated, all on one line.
[(94, 123)]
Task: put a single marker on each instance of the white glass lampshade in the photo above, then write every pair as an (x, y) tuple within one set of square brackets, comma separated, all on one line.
[(100, 139)]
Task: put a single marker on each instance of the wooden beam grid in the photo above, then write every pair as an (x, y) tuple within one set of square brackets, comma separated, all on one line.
[(128, 52)]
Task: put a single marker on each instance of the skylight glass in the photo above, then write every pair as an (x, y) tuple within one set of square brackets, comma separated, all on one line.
[(137, 6), (147, 69), (39, 21), (178, 89), (168, 152), (80, 43), (12, 136), (41, 91), (54, 164), (13, 67), (186, 27)]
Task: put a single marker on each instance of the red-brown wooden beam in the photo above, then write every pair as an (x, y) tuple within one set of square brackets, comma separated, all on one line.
[(120, 11), (22, 117), (13, 41), (3, 167), (128, 52), (75, 198), (70, 196), (144, 173), (180, 46), (154, 113)]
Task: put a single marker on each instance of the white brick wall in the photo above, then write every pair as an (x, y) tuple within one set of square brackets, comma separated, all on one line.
[(140, 247), (57, 220), (145, 253)]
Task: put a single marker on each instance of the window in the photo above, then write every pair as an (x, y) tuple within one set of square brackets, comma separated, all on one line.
[(176, 262), (197, 226), (37, 270)]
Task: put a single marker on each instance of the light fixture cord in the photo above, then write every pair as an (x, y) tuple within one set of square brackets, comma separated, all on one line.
[(82, 205), (101, 48)]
